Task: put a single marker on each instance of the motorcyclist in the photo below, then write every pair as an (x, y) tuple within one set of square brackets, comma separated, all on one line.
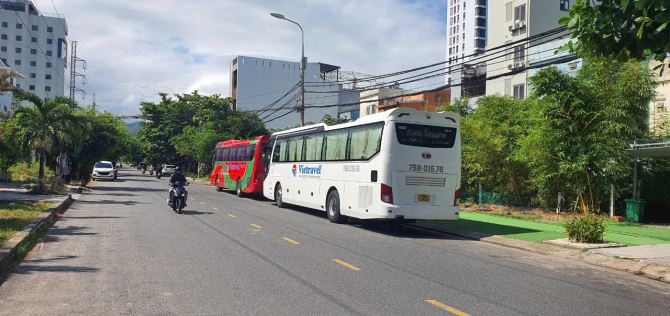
[(177, 176)]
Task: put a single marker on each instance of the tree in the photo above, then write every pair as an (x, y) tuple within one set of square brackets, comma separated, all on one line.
[(330, 120), (184, 128), (41, 124), (580, 128), (623, 29), (490, 136)]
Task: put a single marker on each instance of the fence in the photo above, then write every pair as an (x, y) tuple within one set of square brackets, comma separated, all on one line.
[(502, 199)]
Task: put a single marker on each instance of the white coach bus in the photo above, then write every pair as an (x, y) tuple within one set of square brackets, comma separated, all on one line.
[(401, 164)]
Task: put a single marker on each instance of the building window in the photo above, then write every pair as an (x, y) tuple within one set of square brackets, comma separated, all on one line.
[(18, 86), (520, 13), (49, 53), (519, 53), (573, 66), (34, 27), (48, 65), (19, 26), (50, 41), (660, 107), (33, 63), (480, 11), (519, 91), (33, 76), (33, 51), (5, 24), (4, 60), (47, 77), (17, 50), (481, 22), (31, 87), (47, 89), (3, 49), (19, 38), (17, 62), (50, 29), (481, 32), (3, 36), (480, 43), (33, 40), (565, 5)]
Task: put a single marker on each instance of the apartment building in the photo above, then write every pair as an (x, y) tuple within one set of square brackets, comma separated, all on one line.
[(467, 22), (659, 108), (6, 97), (256, 83), (516, 20), (371, 100), (35, 45), (427, 102)]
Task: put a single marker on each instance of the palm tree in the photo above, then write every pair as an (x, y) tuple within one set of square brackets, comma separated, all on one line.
[(43, 124)]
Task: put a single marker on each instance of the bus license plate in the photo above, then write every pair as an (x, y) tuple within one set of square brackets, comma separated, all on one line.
[(424, 198)]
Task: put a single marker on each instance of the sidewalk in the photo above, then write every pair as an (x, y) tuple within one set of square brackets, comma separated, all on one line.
[(647, 250)]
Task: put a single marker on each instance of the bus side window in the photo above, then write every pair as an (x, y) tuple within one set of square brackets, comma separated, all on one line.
[(336, 145), (239, 154), (313, 146), (365, 142), (224, 154)]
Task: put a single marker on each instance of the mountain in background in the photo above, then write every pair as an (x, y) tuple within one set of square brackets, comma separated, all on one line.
[(133, 127)]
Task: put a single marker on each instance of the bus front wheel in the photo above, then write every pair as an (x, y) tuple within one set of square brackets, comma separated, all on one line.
[(278, 196), (333, 207)]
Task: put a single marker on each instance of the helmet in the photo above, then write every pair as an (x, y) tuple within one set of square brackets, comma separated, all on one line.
[(177, 169)]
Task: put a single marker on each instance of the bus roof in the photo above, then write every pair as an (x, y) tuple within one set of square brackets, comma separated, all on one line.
[(240, 142), (372, 118)]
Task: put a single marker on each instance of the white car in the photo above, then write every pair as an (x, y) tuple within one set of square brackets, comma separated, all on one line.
[(168, 170), (104, 170)]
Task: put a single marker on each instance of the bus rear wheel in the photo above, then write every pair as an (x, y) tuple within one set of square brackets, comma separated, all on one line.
[(278, 196), (333, 208), (238, 189)]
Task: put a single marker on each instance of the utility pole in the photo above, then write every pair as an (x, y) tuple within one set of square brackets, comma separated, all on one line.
[(73, 72), (303, 64)]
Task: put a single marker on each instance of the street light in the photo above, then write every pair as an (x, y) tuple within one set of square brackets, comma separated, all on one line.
[(303, 64)]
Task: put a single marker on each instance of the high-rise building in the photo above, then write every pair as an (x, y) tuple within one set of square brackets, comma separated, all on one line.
[(517, 20), (34, 44), (467, 22), (257, 84)]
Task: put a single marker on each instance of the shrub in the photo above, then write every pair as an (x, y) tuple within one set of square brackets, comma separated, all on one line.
[(26, 172), (585, 229)]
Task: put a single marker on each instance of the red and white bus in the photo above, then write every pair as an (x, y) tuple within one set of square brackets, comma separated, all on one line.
[(238, 165)]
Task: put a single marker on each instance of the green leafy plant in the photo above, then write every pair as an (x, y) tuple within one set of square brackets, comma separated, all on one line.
[(585, 229)]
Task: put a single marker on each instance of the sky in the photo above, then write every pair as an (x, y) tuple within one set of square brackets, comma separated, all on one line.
[(135, 49)]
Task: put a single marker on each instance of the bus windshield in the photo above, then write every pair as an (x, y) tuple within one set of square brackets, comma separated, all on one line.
[(425, 135)]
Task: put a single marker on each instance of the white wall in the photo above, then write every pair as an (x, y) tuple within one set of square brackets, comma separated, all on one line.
[(262, 81)]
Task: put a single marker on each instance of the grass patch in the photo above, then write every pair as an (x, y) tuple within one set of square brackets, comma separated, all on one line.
[(528, 230), (15, 216)]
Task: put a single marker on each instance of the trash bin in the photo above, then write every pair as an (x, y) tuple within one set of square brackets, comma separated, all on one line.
[(634, 210)]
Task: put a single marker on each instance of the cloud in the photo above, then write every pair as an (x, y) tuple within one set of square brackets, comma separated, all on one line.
[(139, 48)]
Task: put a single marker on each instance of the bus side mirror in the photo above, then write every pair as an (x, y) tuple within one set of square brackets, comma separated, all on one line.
[(373, 176)]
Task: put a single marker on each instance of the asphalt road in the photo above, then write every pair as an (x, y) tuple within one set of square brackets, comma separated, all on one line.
[(121, 250)]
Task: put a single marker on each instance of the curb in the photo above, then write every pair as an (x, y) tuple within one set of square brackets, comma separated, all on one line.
[(649, 270), (8, 252)]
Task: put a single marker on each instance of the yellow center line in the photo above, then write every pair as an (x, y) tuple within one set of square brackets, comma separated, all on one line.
[(291, 241), (256, 226), (232, 215), (216, 209), (347, 265), (446, 307)]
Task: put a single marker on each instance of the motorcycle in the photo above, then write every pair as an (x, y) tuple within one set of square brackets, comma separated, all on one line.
[(159, 173), (151, 170), (178, 196)]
